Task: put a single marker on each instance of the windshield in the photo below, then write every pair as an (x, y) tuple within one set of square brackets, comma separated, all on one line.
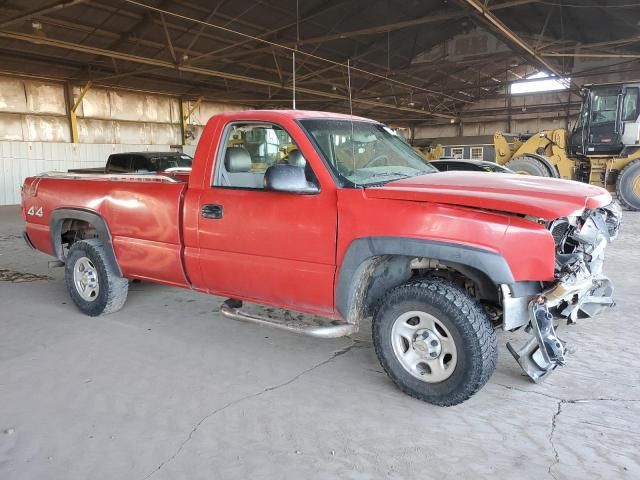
[(365, 153), (604, 105)]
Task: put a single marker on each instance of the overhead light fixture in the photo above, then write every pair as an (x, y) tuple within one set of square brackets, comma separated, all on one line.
[(38, 30)]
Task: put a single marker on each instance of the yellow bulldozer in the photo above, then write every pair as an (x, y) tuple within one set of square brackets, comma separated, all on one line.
[(603, 148)]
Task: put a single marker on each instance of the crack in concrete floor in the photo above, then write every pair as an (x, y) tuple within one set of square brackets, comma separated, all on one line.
[(357, 343), (554, 419), (556, 455), (232, 403)]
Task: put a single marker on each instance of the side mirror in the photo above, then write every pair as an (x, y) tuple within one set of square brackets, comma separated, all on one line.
[(288, 178)]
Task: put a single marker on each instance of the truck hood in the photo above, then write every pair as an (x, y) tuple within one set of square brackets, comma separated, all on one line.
[(546, 198)]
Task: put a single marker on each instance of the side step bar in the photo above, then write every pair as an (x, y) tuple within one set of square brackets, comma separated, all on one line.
[(232, 309)]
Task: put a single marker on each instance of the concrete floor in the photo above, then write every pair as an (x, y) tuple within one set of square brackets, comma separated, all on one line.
[(168, 389)]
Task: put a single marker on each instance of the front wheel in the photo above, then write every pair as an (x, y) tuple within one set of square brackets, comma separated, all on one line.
[(435, 341), (92, 281), (628, 186)]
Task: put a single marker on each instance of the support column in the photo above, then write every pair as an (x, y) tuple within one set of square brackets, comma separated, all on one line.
[(186, 111), (72, 109)]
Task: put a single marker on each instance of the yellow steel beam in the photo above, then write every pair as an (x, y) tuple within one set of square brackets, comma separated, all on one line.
[(187, 111), (73, 117)]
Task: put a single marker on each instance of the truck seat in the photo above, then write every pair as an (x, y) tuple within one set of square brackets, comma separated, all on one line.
[(237, 170)]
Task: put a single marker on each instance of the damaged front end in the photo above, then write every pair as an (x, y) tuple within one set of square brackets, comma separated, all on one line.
[(580, 289)]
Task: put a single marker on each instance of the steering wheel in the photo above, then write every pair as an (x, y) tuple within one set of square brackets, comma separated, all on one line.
[(375, 160)]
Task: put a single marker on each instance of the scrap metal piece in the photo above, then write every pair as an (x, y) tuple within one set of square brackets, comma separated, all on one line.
[(544, 351)]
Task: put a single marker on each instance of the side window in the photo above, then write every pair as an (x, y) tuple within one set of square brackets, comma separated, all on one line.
[(630, 105), (140, 164), (457, 152), (119, 163), (250, 149), (477, 153)]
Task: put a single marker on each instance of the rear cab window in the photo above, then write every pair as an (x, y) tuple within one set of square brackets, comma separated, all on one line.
[(119, 163)]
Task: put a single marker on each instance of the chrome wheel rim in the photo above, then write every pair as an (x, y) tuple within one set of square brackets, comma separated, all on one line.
[(424, 346), (85, 279)]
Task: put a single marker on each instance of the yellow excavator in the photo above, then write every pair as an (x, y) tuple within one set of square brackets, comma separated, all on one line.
[(603, 148)]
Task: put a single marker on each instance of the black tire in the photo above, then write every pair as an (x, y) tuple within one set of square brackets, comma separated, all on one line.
[(466, 320), (528, 166), (628, 186), (112, 291)]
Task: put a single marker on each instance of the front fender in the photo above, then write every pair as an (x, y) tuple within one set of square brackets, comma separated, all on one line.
[(364, 255)]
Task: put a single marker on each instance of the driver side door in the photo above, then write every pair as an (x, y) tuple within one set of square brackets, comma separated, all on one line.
[(272, 247)]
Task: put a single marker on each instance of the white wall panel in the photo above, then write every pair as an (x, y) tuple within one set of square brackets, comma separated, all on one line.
[(10, 126), (95, 103), (95, 131), (45, 129), (12, 95), (45, 98)]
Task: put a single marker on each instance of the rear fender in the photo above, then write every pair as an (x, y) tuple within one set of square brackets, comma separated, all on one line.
[(57, 219)]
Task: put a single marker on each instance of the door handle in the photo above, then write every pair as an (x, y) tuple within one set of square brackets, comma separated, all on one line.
[(212, 211)]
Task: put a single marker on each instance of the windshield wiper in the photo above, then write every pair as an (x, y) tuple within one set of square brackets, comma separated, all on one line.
[(386, 174)]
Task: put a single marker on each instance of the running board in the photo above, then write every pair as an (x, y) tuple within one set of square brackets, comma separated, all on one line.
[(338, 329)]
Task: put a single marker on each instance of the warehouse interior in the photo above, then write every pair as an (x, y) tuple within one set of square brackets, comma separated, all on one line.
[(126, 73), (170, 388)]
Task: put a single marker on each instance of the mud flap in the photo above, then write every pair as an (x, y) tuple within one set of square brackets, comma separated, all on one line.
[(544, 351)]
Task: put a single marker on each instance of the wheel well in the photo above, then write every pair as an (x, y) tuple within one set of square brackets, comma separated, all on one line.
[(68, 226), (73, 230), (377, 275), (373, 265)]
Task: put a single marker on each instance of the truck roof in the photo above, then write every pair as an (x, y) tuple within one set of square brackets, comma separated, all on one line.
[(295, 114), (150, 154)]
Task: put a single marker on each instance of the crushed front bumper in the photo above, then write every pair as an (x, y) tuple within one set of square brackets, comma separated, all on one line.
[(580, 290), (570, 298)]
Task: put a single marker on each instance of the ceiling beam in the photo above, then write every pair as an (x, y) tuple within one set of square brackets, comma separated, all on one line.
[(34, 39), (390, 27), (34, 12), (496, 24)]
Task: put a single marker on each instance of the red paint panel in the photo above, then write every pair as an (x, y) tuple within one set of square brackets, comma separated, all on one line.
[(148, 260), (299, 285), (361, 216), (143, 218)]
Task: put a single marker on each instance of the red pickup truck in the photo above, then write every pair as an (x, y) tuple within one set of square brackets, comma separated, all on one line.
[(336, 216)]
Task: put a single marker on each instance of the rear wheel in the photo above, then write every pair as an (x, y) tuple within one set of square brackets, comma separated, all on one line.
[(92, 281), (628, 186), (434, 341), (528, 166)]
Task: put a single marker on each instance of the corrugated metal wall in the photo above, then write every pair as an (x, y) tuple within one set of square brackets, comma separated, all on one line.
[(35, 133), (18, 160)]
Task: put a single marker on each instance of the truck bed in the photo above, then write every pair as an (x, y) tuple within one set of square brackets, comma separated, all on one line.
[(143, 212)]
